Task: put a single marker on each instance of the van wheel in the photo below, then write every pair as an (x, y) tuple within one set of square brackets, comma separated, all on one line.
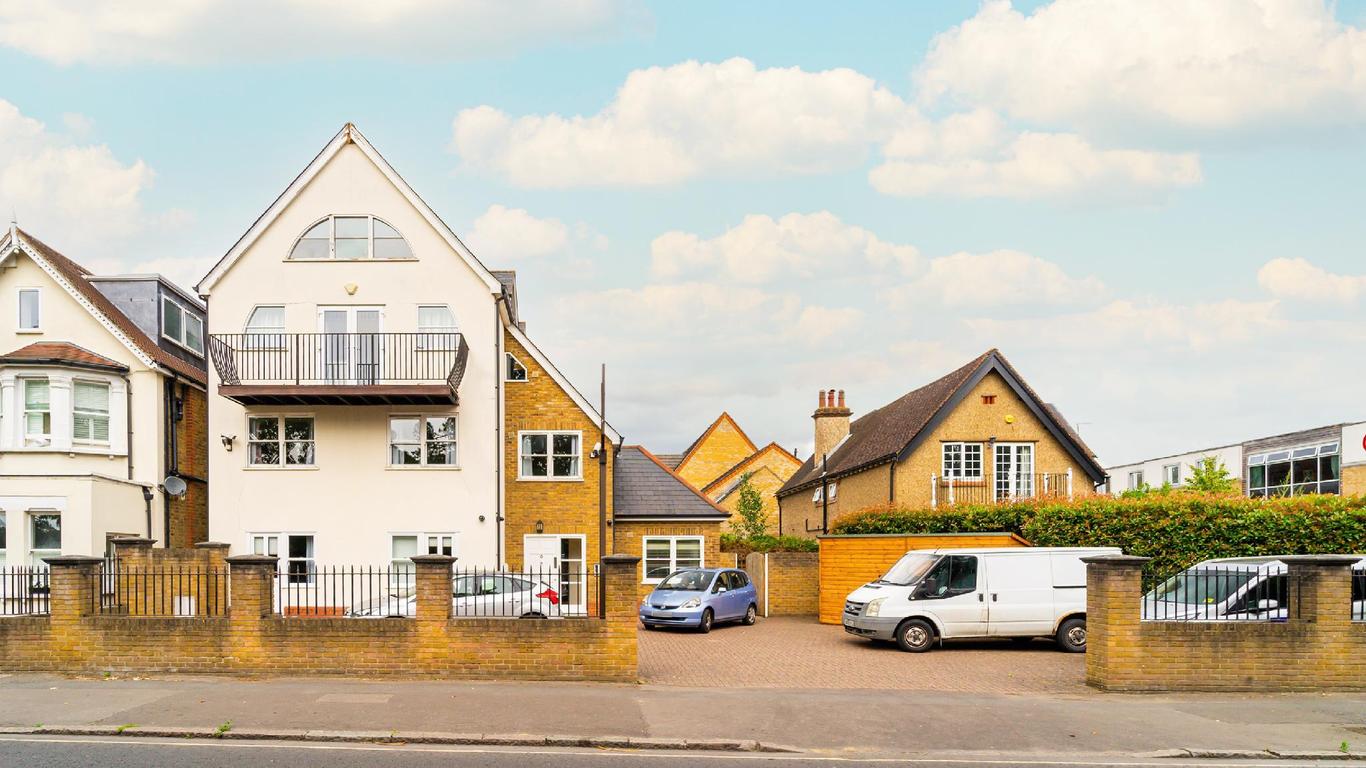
[(750, 615), (915, 635), (1071, 635), (704, 626)]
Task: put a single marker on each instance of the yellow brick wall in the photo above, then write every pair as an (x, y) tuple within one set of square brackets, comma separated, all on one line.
[(865, 489), (563, 507), (849, 562), (767, 483), (788, 583), (769, 470), (722, 447), (1354, 480), (627, 541)]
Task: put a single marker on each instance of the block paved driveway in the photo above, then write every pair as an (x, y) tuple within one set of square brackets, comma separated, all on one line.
[(792, 652)]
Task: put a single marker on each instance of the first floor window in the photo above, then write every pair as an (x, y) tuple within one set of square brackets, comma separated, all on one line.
[(820, 493), (963, 461), (665, 554), (4, 540), (266, 327), (37, 413), (45, 537), (1171, 474), (90, 413), (422, 441), (273, 440), (1135, 481), (435, 327), (29, 316), (1297, 471), (549, 455)]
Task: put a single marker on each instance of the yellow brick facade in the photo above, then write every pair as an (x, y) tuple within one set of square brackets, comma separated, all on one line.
[(769, 469), (628, 537), (1354, 480), (719, 449), (562, 507)]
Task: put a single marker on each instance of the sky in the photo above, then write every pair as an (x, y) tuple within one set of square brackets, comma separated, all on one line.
[(1153, 209)]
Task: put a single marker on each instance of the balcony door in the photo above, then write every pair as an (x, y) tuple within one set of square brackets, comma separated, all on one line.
[(1014, 471), (351, 344)]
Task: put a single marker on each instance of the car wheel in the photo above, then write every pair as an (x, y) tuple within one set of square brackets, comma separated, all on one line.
[(751, 615), (1071, 635), (704, 626), (915, 635), (533, 615)]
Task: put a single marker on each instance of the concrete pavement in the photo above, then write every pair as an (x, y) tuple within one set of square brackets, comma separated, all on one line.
[(829, 721)]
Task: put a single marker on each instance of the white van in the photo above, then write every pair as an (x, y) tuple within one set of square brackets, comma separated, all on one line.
[(939, 594)]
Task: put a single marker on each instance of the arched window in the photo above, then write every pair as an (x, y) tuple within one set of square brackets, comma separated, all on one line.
[(351, 237)]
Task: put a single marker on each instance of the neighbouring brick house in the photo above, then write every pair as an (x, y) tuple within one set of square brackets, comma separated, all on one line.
[(102, 399), (723, 455), (977, 435)]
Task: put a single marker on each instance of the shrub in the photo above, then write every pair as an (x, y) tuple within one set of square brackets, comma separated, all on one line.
[(742, 546), (1175, 529)]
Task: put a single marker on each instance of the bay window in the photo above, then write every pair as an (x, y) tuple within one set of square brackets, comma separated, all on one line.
[(44, 537), (37, 413), (662, 555), (1295, 471), (549, 455)]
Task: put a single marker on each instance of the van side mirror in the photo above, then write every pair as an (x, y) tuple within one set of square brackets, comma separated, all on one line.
[(928, 588)]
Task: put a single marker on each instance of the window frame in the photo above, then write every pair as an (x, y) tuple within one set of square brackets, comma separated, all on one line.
[(445, 340), (421, 538), (818, 496), (508, 362), (186, 317), (76, 413), (281, 442), (19, 308), (423, 442), (1171, 474), (673, 555), (1134, 486), (36, 554), (550, 455), (961, 473), (270, 337), (331, 220), (1318, 452)]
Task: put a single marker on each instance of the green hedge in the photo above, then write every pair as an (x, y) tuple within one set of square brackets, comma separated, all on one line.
[(1175, 530), (766, 543)]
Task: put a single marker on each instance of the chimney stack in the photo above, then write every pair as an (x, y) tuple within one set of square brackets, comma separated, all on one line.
[(832, 422)]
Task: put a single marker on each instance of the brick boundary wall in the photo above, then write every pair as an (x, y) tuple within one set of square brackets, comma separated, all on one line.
[(252, 639), (849, 561), (1318, 648), (788, 583)]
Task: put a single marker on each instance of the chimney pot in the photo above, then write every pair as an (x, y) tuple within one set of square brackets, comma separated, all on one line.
[(841, 398), (820, 399)]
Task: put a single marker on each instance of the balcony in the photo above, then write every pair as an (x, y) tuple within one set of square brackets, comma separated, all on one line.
[(339, 368), (1000, 489)]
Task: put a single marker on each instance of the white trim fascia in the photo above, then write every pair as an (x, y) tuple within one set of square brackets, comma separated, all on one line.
[(559, 378), (66, 285), (347, 135)]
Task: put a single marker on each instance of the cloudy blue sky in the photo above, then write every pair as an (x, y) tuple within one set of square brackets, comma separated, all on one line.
[(1154, 209)]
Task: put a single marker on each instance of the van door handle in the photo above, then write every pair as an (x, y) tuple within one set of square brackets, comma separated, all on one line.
[(981, 598), (993, 597)]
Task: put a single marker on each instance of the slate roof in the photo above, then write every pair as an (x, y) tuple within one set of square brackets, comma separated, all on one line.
[(79, 276), (61, 352), (508, 279), (879, 436), (643, 487), (670, 460)]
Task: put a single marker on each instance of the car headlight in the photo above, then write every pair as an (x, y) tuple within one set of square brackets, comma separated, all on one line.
[(693, 603), (874, 607)]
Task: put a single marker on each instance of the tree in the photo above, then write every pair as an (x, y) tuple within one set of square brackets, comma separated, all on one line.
[(750, 508), (1209, 475)]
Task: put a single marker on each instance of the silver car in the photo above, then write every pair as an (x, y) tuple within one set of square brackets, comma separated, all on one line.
[(493, 595), (1234, 589)]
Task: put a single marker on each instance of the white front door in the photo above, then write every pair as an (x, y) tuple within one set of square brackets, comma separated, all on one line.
[(1014, 471), (351, 344), (558, 561)]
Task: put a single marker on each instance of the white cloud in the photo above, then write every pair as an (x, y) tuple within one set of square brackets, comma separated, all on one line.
[(77, 31), (1210, 64), (761, 249), (511, 233), (1300, 279), (997, 278), (1127, 324)]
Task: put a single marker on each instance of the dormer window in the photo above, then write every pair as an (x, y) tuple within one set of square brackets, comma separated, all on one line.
[(350, 238)]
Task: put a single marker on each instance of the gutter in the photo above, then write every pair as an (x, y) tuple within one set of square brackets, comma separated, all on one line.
[(499, 361)]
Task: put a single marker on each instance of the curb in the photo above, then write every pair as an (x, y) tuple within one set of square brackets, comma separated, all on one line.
[(1255, 754), (404, 737)]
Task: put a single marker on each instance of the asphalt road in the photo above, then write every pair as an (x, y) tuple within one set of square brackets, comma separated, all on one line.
[(59, 752)]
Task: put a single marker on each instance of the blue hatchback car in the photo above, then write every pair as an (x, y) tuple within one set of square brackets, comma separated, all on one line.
[(700, 597)]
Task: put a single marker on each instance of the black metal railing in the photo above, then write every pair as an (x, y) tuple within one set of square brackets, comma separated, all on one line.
[(359, 359), (532, 593), (1219, 593), (993, 490), (24, 591), (159, 591)]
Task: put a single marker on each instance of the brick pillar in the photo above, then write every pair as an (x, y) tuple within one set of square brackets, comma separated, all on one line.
[(1114, 588), (1320, 590), (433, 587), (620, 574), (134, 555), (212, 597), (251, 579), (72, 595)]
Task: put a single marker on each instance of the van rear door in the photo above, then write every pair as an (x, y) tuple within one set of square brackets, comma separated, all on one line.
[(1069, 584), (1019, 594)]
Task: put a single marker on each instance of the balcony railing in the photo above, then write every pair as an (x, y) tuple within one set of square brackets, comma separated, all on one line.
[(339, 367), (949, 491)]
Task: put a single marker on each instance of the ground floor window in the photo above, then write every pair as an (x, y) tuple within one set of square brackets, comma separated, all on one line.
[(665, 554), (1296, 471), (300, 562), (404, 546), (45, 537), (4, 539)]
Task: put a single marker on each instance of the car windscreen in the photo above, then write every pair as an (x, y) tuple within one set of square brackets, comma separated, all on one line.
[(689, 581), (1202, 586), (910, 569)]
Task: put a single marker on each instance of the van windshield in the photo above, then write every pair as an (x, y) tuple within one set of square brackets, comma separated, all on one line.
[(1203, 586), (911, 568)]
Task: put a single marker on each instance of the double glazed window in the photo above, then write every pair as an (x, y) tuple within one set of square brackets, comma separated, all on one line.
[(90, 413), (1297, 471), (299, 565), (819, 495), (549, 455), (1135, 481), (280, 441), (37, 413), (963, 461), (416, 441), (266, 326), (351, 237), (182, 326), (665, 554), (1171, 474), (403, 547), (30, 309), (45, 537)]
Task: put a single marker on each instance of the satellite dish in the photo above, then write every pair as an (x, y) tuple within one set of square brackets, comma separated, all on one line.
[(174, 486)]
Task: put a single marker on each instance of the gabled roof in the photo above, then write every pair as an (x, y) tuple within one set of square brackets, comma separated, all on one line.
[(62, 353), (644, 489), (347, 135), (669, 460), (724, 417), (75, 279), (560, 379), (748, 461), (894, 430)]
